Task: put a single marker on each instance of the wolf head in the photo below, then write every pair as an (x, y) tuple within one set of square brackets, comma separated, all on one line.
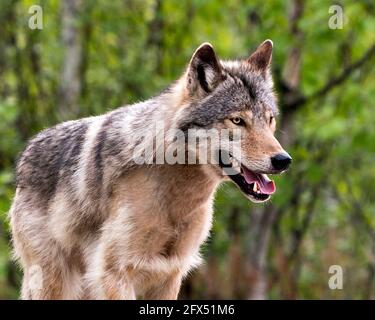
[(237, 96)]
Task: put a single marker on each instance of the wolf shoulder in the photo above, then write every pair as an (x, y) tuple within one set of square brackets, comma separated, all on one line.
[(52, 152)]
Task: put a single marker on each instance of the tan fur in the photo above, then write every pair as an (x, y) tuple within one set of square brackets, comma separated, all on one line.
[(162, 246), (99, 226)]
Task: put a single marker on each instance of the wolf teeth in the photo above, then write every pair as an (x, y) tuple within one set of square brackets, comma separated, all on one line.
[(256, 188)]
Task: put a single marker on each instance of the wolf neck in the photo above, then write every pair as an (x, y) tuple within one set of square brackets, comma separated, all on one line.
[(185, 186), (147, 124), (140, 119)]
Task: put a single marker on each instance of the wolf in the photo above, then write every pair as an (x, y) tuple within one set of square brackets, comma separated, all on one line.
[(93, 223)]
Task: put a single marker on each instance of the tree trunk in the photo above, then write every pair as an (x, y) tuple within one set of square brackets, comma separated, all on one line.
[(262, 220), (70, 85)]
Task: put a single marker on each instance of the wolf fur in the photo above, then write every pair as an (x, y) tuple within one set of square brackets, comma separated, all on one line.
[(99, 226)]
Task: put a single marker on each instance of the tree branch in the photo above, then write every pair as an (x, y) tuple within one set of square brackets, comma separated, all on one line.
[(331, 83)]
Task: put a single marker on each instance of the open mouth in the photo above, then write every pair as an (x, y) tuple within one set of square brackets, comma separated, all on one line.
[(256, 186)]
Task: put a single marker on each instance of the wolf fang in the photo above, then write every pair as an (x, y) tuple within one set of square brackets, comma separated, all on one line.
[(156, 310)]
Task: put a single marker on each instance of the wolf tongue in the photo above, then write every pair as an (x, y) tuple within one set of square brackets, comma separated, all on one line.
[(266, 185)]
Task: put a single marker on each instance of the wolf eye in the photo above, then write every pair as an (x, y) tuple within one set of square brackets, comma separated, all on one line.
[(238, 121), (271, 119)]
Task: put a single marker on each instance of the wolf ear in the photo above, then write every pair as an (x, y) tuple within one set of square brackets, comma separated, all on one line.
[(261, 58), (204, 72)]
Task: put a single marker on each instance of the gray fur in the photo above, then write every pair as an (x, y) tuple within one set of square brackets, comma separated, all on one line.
[(239, 90), (85, 212)]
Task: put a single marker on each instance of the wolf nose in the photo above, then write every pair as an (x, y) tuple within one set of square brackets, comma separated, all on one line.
[(281, 161)]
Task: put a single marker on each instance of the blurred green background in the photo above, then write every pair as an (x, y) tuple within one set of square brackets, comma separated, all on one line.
[(93, 56)]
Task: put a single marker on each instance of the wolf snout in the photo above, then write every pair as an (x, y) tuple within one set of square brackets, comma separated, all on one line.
[(281, 161)]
